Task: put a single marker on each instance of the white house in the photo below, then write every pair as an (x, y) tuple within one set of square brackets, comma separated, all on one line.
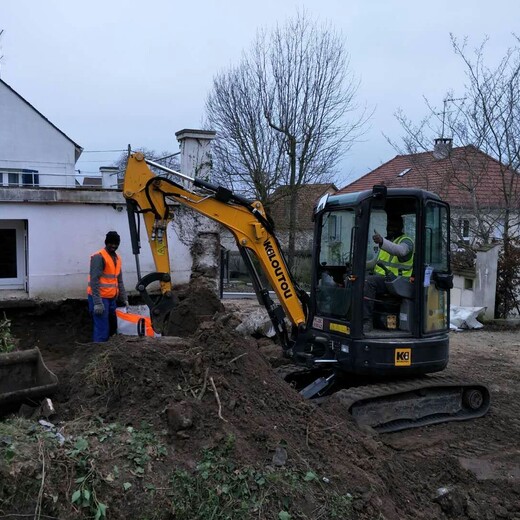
[(33, 152), (49, 224)]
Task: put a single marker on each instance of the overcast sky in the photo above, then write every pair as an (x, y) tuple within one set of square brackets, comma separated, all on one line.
[(111, 73)]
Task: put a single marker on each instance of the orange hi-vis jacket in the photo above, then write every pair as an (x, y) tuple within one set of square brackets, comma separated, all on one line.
[(108, 286)]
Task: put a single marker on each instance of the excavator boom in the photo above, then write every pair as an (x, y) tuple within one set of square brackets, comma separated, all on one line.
[(148, 194)]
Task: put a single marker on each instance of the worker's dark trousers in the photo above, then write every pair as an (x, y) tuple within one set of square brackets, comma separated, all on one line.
[(104, 324), (374, 285)]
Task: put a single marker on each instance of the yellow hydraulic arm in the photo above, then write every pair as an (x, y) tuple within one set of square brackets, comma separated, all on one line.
[(146, 194)]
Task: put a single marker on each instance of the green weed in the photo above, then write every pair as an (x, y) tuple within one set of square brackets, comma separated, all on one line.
[(221, 489), (143, 447), (85, 496), (7, 342)]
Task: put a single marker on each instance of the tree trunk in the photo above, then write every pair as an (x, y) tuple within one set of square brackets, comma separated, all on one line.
[(292, 202)]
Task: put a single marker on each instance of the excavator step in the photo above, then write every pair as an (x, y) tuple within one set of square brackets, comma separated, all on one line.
[(24, 376), (414, 403)]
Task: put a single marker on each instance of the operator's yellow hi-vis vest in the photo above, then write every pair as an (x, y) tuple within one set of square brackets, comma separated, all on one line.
[(402, 267)]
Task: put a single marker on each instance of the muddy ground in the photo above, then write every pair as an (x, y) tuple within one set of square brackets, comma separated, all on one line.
[(197, 392)]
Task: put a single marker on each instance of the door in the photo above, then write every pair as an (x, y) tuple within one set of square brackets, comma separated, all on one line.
[(12, 254), (437, 272)]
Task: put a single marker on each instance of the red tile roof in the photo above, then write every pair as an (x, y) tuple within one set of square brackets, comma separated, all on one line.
[(465, 171)]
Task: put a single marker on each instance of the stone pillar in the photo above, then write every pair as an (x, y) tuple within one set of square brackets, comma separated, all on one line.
[(196, 152), (486, 287), (195, 148)]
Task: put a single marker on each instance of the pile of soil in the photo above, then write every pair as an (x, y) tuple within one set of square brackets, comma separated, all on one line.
[(194, 392), (197, 302)]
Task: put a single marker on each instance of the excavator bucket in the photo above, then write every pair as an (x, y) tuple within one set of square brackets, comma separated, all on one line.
[(24, 377)]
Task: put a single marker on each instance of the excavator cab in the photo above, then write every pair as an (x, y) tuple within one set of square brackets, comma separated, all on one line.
[(408, 315), (380, 372)]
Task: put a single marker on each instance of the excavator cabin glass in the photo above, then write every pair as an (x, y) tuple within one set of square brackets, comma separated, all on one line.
[(333, 292), (415, 272)]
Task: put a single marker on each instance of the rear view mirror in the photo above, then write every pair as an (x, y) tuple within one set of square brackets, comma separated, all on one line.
[(379, 196)]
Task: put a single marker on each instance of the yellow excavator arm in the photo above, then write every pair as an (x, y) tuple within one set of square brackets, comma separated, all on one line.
[(147, 193)]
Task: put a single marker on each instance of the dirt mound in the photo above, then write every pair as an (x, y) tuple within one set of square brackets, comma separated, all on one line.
[(194, 394), (200, 389), (197, 303)]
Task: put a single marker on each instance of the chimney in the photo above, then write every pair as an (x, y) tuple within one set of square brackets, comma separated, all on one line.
[(442, 147), (109, 176)]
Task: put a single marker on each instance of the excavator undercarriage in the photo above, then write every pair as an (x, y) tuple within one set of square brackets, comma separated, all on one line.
[(392, 405)]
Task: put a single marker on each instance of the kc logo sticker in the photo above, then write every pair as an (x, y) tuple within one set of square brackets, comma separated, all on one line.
[(403, 357)]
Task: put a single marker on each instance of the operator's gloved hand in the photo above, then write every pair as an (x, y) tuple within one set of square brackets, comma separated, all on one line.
[(99, 309)]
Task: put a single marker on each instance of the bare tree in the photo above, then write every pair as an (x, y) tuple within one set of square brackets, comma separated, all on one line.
[(248, 156), (287, 114), (485, 117)]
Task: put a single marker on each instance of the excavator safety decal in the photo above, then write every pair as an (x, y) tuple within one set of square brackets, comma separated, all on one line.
[(403, 357), (338, 327), (278, 271), (160, 249)]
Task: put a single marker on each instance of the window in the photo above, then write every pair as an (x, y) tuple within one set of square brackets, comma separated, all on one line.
[(497, 231), (436, 237), (468, 284), (335, 237), (19, 177)]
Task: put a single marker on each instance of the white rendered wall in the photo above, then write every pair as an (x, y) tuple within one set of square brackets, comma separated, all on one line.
[(29, 141), (61, 238), (459, 296)]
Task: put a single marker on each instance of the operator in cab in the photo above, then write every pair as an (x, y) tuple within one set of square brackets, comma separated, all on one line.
[(394, 258)]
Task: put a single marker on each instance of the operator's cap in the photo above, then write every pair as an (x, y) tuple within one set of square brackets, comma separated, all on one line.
[(112, 238)]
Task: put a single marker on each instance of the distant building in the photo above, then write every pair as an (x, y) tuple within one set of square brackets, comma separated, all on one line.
[(471, 181)]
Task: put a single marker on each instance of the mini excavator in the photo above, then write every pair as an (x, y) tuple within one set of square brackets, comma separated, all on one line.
[(384, 375)]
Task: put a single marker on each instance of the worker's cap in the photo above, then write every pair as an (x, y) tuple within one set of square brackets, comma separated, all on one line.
[(112, 238)]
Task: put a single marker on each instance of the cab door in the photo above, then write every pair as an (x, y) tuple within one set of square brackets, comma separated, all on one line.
[(437, 278)]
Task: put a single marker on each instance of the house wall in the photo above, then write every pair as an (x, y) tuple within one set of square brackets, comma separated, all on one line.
[(496, 231), (62, 236), (27, 140), (460, 296), (484, 279)]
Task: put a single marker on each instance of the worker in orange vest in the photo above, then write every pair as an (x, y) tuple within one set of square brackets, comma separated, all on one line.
[(105, 288)]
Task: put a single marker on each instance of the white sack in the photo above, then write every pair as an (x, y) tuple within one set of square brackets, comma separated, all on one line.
[(465, 317), (257, 322)]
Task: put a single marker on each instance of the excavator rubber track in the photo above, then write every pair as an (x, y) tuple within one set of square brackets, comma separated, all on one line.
[(414, 403)]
